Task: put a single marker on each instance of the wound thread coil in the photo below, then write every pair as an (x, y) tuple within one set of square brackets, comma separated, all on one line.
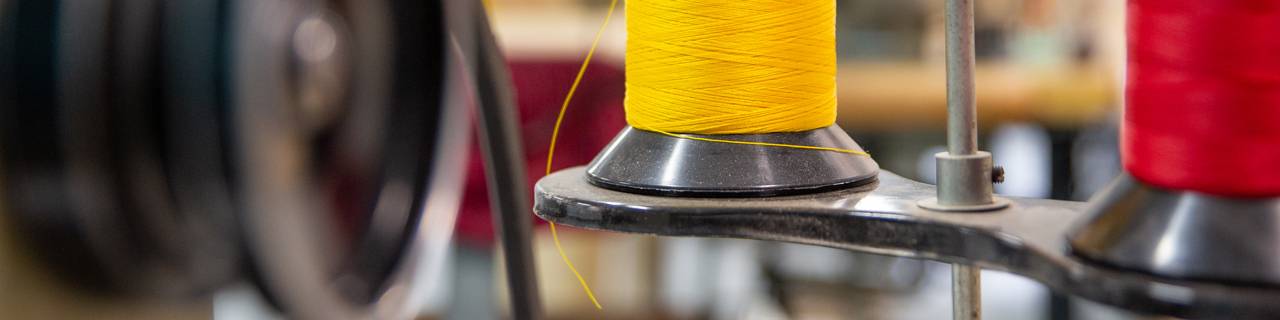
[(1203, 96), (730, 66)]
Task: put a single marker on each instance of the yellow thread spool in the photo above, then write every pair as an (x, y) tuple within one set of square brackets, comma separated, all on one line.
[(723, 67), (730, 66)]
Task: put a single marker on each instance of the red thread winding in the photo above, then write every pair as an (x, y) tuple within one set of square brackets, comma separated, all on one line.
[(1203, 96)]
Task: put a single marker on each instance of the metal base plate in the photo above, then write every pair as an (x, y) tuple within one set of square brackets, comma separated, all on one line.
[(932, 204), (1183, 234), (646, 162), (1028, 238)]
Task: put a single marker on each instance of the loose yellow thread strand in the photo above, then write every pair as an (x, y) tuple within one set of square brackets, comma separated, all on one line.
[(767, 144), (555, 238), (551, 150)]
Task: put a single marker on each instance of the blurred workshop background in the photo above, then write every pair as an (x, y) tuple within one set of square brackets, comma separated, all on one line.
[(1049, 74)]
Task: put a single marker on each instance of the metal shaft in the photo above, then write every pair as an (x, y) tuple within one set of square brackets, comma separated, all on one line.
[(962, 140), (962, 122), (966, 292), (964, 173)]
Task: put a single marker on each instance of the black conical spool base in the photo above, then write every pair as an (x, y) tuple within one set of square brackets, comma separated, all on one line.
[(1183, 234), (645, 162)]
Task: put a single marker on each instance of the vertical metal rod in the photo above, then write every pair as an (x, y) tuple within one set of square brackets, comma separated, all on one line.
[(503, 152), (962, 122), (966, 292), (962, 138), (964, 173)]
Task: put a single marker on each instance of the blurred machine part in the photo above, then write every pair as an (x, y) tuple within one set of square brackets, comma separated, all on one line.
[(152, 152)]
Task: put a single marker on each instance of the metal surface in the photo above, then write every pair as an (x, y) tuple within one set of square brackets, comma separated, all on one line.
[(1183, 234), (501, 145), (1027, 238), (962, 110), (321, 49), (966, 292), (967, 186), (653, 163)]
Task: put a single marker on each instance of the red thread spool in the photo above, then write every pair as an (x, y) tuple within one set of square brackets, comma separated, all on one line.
[(1203, 97)]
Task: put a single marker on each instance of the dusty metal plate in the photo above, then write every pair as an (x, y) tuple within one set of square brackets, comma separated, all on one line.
[(1027, 238)]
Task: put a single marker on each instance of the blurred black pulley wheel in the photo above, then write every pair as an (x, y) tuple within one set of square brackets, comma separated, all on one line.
[(112, 162), (168, 147)]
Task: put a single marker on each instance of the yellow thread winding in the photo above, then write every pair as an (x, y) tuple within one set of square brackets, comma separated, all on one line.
[(730, 66)]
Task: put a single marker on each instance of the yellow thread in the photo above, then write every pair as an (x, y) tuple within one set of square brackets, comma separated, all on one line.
[(555, 132), (730, 66), (767, 144), (555, 238)]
